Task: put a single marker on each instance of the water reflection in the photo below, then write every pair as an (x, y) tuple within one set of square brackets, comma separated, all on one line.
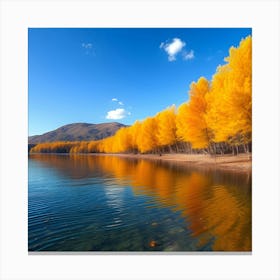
[(216, 205)]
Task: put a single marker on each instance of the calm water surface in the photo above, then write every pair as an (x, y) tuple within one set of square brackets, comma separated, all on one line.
[(107, 203)]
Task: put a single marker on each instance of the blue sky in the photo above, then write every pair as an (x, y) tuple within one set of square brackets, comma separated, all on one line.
[(97, 75)]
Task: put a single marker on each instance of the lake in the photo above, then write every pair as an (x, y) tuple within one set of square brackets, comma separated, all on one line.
[(109, 203)]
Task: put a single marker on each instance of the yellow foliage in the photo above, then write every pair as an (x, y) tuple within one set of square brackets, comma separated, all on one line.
[(192, 124), (147, 140), (166, 121), (230, 99), (181, 128)]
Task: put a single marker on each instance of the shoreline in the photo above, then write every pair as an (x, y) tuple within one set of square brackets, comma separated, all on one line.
[(238, 163), (233, 163)]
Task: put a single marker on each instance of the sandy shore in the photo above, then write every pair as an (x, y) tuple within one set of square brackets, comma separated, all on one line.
[(240, 163)]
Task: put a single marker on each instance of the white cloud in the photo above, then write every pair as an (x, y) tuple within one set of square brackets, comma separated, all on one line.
[(173, 48), (87, 45), (116, 114), (117, 100), (188, 55), (88, 48)]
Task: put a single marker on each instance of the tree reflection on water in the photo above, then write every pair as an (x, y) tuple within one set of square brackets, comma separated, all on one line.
[(215, 204)]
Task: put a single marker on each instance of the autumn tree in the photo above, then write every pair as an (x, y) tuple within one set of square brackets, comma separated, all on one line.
[(166, 124), (230, 99), (147, 140), (191, 121), (135, 131), (122, 140), (181, 128)]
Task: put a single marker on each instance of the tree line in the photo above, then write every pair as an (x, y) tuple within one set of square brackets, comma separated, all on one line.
[(216, 119)]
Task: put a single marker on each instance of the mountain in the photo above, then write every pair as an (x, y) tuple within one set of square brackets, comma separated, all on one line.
[(77, 132)]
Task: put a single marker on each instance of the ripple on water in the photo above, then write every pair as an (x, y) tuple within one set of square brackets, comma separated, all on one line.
[(112, 204)]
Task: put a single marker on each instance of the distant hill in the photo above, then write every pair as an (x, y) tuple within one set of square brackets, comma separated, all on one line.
[(77, 132)]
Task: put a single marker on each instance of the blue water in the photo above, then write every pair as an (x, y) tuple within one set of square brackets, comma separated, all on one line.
[(103, 203)]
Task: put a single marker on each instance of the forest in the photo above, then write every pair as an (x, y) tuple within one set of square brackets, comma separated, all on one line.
[(216, 119)]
